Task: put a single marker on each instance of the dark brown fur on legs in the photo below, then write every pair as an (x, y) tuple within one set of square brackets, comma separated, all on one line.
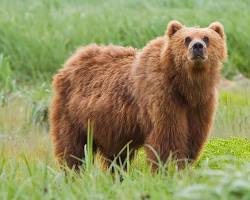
[(163, 96), (71, 138), (198, 134), (161, 138)]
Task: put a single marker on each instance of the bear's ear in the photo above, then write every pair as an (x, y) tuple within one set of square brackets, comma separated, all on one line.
[(173, 27), (217, 27)]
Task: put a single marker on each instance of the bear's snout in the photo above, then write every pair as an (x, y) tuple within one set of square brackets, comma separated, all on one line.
[(198, 50)]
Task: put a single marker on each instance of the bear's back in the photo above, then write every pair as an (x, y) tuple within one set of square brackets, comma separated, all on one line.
[(97, 67), (93, 54)]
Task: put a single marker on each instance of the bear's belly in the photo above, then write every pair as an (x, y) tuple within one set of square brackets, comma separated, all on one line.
[(112, 139)]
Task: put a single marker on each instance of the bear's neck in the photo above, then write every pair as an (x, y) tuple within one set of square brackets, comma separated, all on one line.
[(193, 85)]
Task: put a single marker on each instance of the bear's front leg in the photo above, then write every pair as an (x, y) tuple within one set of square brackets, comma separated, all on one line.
[(200, 122), (168, 138)]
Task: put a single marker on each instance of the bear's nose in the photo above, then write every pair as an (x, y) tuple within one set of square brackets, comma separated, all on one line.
[(198, 50), (198, 46)]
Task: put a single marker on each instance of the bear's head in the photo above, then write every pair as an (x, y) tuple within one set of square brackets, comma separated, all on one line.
[(197, 48)]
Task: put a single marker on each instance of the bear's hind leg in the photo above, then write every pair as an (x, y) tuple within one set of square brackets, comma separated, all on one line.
[(69, 146), (68, 138)]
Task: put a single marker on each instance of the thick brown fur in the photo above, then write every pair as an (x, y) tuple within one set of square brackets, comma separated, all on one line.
[(155, 97)]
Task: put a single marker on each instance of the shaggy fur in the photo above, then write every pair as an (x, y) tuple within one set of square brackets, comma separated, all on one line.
[(157, 97)]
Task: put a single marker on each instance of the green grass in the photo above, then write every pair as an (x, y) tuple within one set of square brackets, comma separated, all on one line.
[(233, 114), (27, 170), (37, 36)]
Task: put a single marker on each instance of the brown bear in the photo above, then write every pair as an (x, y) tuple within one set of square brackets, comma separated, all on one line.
[(162, 97)]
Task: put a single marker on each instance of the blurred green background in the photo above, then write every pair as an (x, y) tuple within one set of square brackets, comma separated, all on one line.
[(37, 36)]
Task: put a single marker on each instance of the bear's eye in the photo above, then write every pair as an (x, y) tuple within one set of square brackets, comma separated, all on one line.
[(187, 41), (206, 40)]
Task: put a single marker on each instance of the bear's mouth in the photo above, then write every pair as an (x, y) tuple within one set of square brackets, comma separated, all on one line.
[(198, 57)]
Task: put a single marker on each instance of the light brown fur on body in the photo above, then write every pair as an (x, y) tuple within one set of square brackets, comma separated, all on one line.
[(158, 96)]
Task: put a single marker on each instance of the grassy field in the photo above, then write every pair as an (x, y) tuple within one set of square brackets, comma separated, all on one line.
[(35, 39), (27, 171)]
